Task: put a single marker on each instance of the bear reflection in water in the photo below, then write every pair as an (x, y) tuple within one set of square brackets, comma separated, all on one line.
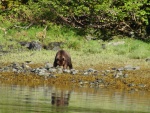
[(60, 99)]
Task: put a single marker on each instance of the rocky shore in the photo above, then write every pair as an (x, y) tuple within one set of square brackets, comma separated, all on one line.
[(119, 78)]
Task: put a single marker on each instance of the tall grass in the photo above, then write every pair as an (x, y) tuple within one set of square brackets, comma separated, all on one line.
[(131, 48), (80, 59)]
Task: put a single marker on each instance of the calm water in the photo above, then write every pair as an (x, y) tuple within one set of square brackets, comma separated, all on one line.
[(18, 99)]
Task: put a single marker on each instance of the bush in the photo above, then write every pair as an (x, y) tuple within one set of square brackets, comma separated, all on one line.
[(105, 18)]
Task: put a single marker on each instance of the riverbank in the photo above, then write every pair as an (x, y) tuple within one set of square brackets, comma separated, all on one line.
[(122, 63), (90, 70)]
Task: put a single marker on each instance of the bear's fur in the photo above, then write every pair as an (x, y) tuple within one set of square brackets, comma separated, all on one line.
[(62, 58)]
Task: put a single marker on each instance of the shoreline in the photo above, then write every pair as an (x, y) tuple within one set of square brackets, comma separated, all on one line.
[(122, 77)]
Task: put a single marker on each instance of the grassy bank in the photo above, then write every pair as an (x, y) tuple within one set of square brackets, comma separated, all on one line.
[(85, 51), (80, 59)]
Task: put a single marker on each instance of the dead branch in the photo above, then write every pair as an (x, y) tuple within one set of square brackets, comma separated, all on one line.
[(25, 27), (79, 22), (62, 17)]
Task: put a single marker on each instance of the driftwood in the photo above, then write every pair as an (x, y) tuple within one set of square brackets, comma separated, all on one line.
[(24, 27)]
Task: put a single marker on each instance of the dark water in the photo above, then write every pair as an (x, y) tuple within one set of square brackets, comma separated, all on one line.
[(18, 99)]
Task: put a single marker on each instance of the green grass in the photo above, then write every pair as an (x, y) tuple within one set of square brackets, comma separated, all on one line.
[(83, 52), (80, 59), (131, 48)]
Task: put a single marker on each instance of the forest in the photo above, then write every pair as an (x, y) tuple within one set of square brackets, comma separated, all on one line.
[(102, 19)]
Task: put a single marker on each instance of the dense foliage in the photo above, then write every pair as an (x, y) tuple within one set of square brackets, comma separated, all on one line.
[(100, 18)]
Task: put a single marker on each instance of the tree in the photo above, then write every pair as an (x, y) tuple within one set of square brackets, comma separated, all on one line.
[(103, 18)]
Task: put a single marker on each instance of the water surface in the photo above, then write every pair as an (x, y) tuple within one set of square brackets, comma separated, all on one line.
[(46, 99)]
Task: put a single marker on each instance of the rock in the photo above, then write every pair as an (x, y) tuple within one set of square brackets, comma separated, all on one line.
[(54, 46), (133, 90), (142, 85), (103, 71), (81, 83), (103, 74), (92, 84), (33, 70), (48, 66), (128, 67), (147, 60), (52, 70), (85, 73), (90, 70), (118, 74), (25, 66), (34, 45), (15, 65), (131, 85), (59, 70), (108, 71), (101, 85), (136, 68), (52, 76), (28, 62), (15, 70), (37, 70), (6, 69), (23, 43), (43, 73), (73, 71), (100, 80), (40, 71), (1, 69), (120, 69), (66, 71), (125, 75), (114, 68)]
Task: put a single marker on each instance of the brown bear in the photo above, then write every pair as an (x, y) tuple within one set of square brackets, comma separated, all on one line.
[(62, 58)]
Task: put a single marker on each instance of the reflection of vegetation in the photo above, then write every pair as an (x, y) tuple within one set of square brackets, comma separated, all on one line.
[(89, 110), (20, 99)]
